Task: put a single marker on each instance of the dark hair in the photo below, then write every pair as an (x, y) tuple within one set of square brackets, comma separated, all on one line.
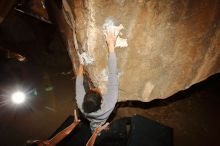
[(92, 101)]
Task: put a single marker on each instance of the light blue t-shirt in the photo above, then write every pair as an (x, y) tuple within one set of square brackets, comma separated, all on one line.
[(109, 98)]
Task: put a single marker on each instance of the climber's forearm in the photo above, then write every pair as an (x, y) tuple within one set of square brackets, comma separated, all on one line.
[(111, 48), (92, 139), (80, 70), (61, 135)]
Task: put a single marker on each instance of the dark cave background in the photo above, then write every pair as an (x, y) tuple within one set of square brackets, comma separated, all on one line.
[(193, 113)]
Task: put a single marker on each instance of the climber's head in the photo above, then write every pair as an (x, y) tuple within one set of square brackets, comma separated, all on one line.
[(92, 101)]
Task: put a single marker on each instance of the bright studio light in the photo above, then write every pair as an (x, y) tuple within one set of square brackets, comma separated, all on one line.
[(18, 97)]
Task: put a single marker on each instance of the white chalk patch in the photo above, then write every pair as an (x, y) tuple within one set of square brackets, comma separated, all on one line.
[(108, 25), (120, 42), (86, 58), (120, 73), (104, 75)]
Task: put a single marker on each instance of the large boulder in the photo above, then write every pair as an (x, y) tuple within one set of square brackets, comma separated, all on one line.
[(172, 44)]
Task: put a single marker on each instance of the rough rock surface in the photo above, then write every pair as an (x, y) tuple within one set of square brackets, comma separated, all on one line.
[(172, 44)]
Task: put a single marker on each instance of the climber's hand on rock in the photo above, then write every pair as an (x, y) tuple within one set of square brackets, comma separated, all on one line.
[(111, 35), (81, 60), (110, 39)]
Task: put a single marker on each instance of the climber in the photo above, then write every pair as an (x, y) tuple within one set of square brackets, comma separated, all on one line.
[(95, 106)]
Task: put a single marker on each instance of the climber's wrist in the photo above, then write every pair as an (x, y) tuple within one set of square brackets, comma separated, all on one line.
[(111, 48)]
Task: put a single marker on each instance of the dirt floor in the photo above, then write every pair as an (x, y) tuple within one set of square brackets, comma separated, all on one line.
[(193, 114)]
